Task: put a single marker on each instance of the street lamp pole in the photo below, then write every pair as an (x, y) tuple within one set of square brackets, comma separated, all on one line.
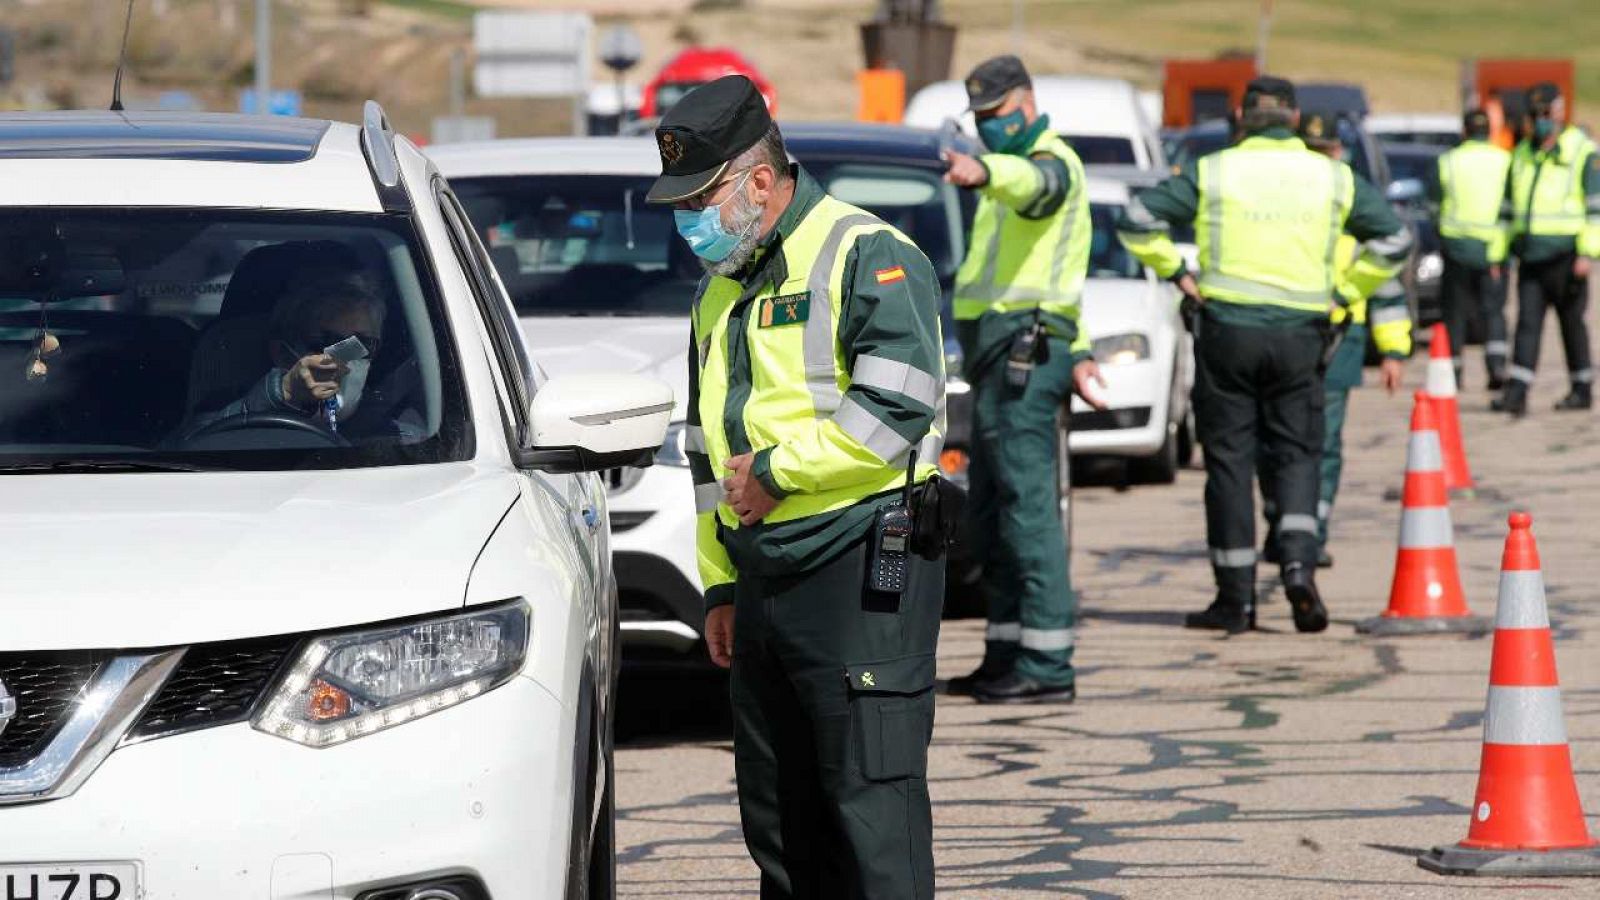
[(263, 56)]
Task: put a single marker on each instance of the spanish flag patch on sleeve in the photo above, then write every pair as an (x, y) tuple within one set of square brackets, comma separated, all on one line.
[(891, 275)]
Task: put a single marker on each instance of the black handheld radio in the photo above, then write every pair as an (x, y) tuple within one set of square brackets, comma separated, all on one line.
[(1029, 348), (889, 563)]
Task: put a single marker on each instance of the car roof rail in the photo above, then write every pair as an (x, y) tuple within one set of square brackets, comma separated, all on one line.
[(377, 142)]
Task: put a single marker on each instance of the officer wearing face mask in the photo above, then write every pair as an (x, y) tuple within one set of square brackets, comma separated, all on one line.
[(816, 372), (1552, 213), (1016, 308)]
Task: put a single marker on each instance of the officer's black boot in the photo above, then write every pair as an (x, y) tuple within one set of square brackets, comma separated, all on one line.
[(1580, 397), (966, 685), (1300, 585), (1513, 401), (1222, 615), (1497, 378), (1015, 687)]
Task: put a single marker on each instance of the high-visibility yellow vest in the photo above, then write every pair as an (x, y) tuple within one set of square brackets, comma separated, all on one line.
[(1547, 193), (1270, 216), (1472, 183), (1390, 324), (799, 375), (1016, 263)]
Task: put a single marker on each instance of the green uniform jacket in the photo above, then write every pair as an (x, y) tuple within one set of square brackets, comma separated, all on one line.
[(889, 318), (1176, 201)]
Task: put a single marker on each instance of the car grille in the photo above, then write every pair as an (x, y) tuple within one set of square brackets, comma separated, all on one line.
[(44, 686), (216, 684)]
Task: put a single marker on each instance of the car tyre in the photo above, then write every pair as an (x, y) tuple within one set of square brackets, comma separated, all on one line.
[(1162, 468), (1186, 440), (602, 876)]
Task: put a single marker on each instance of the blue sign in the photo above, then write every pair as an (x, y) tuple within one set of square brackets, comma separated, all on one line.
[(279, 103)]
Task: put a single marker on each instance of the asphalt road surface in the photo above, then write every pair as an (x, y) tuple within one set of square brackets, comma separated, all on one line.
[(1271, 764)]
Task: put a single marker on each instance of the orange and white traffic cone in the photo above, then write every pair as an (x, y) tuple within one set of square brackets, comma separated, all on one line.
[(1441, 389), (1526, 817), (1425, 595)]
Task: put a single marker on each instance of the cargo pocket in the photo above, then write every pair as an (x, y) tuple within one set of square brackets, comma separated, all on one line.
[(891, 716)]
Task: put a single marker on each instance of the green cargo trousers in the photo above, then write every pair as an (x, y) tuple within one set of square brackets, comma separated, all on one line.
[(1014, 514), (833, 711)]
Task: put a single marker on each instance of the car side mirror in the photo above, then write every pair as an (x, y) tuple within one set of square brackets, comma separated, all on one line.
[(1406, 190), (588, 423)]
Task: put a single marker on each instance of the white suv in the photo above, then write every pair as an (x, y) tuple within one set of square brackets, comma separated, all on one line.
[(260, 642)]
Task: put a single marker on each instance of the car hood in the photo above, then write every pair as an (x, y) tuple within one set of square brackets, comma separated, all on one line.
[(657, 347), (1122, 305), (154, 559)]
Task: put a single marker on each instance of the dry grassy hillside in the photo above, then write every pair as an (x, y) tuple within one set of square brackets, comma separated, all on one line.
[(340, 52)]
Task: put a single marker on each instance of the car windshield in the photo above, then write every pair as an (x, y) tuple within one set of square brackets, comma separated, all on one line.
[(172, 339), (588, 245), (1107, 257), (1102, 150), (1411, 165), (1442, 139), (582, 245)]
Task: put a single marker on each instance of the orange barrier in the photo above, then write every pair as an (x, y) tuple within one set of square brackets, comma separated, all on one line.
[(1425, 595), (1526, 816)]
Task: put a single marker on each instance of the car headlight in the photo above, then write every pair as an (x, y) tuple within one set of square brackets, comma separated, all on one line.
[(1430, 267), (1120, 349), (674, 451), (345, 686)]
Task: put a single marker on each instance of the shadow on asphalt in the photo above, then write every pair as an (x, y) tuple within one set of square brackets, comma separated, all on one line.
[(671, 707)]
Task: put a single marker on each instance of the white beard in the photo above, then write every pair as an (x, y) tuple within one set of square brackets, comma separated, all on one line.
[(747, 219)]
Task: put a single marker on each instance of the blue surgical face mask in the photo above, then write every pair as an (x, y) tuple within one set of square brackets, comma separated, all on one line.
[(703, 229)]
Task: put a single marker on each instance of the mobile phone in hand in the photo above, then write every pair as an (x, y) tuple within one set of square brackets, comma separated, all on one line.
[(348, 350)]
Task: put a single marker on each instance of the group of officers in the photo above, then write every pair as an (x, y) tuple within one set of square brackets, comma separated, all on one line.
[(817, 392)]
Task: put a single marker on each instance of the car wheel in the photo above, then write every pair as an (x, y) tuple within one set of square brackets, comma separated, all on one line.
[(602, 880), (1064, 482), (1186, 440), (1162, 468)]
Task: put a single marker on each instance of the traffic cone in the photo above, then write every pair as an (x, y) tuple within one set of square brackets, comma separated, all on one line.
[(1441, 389), (1526, 817), (1425, 595)]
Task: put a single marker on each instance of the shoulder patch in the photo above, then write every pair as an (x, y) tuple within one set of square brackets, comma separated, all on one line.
[(790, 309), (890, 275)]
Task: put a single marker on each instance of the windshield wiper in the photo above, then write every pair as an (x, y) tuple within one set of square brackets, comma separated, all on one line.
[(76, 466)]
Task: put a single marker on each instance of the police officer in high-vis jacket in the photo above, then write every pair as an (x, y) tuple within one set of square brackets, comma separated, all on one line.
[(1017, 298), (1552, 209), (1384, 315), (816, 370), (1468, 185), (1268, 214)]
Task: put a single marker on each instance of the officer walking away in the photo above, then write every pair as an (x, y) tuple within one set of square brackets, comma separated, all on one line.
[(1553, 209), (1468, 187), (816, 370), (1384, 315), (1267, 215), (1016, 305)]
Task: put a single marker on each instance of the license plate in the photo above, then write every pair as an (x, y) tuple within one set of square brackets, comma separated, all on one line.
[(70, 881)]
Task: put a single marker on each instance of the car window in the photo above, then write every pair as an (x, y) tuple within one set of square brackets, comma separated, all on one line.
[(913, 199), (575, 245), (1102, 150), (1411, 165), (1107, 257), (669, 93), (502, 324), (197, 337)]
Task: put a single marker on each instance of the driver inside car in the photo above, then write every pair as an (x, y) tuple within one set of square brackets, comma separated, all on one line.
[(305, 381)]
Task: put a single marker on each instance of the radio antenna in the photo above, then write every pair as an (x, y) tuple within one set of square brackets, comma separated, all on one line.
[(122, 61)]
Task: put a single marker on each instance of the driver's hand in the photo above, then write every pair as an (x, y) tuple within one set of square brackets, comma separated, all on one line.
[(312, 379)]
